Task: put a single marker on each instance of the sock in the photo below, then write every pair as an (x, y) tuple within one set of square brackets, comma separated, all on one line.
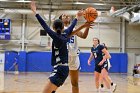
[(102, 85), (111, 83), (53, 91)]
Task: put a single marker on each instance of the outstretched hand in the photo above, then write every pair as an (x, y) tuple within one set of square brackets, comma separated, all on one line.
[(79, 14), (33, 6)]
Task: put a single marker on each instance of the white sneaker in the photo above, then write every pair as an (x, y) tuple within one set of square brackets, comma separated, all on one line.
[(97, 90), (109, 91), (114, 87), (101, 89)]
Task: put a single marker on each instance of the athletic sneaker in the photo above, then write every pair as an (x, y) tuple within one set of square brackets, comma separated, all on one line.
[(114, 87), (109, 91), (101, 89), (97, 90), (106, 91)]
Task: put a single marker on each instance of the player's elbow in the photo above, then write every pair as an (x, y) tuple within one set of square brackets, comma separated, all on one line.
[(108, 56), (84, 37)]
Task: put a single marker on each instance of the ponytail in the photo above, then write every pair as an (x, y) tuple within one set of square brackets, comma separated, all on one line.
[(58, 30)]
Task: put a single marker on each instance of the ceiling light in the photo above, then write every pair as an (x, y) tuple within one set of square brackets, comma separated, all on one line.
[(98, 4), (23, 1), (80, 3)]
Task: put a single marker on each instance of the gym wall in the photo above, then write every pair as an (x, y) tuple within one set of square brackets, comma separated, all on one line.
[(41, 62)]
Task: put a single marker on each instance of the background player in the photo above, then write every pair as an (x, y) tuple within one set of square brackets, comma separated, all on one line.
[(101, 66)]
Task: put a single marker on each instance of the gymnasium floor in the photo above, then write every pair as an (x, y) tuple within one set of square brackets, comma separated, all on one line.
[(34, 83)]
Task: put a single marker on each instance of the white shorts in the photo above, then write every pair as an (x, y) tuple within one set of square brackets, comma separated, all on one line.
[(74, 63)]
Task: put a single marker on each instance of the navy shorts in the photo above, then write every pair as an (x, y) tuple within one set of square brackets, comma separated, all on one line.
[(99, 68), (105, 65), (59, 75)]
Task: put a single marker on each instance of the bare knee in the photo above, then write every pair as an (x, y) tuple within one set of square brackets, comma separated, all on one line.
[(104, 74), (75, 84)]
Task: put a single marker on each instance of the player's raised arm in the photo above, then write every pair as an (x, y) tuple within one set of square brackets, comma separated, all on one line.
[(51, 33), (78, 15)]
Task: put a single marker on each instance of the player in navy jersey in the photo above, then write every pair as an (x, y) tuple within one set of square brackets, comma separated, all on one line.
[(101, 66), (74, 62), (59, 50), (113, 85)]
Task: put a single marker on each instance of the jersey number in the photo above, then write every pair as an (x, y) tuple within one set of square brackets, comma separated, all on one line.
[(71, 40), (95, 55)]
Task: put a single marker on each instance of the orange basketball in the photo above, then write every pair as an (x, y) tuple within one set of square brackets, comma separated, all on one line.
[(90, 14)]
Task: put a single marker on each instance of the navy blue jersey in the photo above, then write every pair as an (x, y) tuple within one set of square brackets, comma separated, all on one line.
[(97, 53), (59, 44)]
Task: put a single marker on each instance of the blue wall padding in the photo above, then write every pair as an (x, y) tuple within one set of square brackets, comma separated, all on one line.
[(41, 62), (119, 62), (84, 65), (10, 57), (22, 61)]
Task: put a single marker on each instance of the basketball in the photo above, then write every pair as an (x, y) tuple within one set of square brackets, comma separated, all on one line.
[(90, 14)]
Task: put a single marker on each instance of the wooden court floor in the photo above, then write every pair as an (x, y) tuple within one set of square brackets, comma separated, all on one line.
[(35, 82)]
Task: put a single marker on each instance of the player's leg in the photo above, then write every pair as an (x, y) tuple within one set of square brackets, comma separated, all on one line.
[(74, 76), (109, 66), (74, 66), (113, 85), (101, 82), (104, 74), (50, 88), (97, 78), (97, 74), (56, 79)]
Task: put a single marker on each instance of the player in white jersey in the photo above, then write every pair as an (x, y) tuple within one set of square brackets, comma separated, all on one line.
[(74, 62)]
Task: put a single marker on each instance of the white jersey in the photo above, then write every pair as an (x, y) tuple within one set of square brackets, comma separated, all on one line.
[(72, 45), (74, 62)]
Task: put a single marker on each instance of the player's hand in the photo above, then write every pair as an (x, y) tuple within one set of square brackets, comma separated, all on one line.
[(89, 62), (79, 14), (88, 25), (33, 6), (101, 63)]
